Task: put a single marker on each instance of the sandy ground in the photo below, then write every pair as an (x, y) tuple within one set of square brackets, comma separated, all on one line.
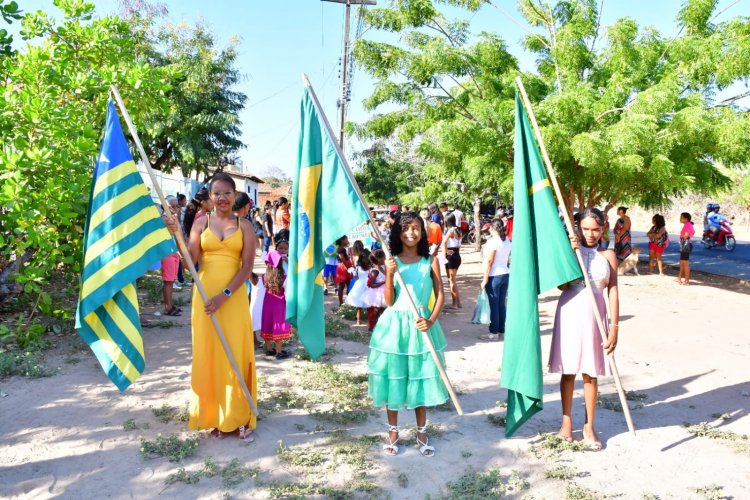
[(685, 349)]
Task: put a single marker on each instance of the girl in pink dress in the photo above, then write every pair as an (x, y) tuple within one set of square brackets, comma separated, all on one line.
[(274, 328), (576, 344)]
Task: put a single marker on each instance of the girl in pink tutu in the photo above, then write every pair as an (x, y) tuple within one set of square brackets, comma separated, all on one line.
[(274, 328), (576, 344)]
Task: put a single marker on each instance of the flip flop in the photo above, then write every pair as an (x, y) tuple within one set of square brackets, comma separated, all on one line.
[(246, 435)]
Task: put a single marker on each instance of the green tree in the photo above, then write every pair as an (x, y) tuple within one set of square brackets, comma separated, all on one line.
[(384, 177), (202, 125), (53, 99), (627, 114)]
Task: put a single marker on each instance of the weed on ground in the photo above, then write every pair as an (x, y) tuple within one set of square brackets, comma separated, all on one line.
[(738, 442), (171, 447), (28, 364), (168, 413), (576, 492), (498, 420), (232, 474), (561, 472), (473, 485), (552, 445)]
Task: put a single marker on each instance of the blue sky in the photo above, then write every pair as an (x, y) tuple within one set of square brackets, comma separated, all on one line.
[(282, 39)]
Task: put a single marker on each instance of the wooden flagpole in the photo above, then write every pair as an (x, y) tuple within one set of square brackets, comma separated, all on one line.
[(569, 225), (184, 251), (399, 278)]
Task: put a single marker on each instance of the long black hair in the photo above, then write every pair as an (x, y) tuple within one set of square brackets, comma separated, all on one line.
[(192, 209), (394, 239)]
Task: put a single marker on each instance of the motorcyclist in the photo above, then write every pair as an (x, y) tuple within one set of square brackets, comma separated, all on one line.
[(714, 219)]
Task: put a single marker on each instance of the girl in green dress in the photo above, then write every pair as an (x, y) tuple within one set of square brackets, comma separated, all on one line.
[(402, 372)]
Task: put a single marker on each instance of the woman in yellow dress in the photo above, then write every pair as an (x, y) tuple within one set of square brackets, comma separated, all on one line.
[(224, 245)]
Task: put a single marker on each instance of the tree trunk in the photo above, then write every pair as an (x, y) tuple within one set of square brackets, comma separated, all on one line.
[(477, 224)]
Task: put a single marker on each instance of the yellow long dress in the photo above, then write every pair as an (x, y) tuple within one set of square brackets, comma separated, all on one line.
[(217, 400)]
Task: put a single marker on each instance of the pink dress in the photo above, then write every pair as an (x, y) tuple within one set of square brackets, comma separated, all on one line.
[(576, 343), (273, 324)]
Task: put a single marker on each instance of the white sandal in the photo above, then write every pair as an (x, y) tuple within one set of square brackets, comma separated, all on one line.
[(424, 447), (390, 447)]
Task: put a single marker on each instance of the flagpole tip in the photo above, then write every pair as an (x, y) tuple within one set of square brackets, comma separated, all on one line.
[(306, 80)]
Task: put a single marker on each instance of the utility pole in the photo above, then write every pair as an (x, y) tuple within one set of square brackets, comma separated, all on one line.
[(345, 61)]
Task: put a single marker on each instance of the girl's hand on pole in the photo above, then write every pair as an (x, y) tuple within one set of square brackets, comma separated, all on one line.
[(573, 241), (424, 324), (215, 303), (611, 343), (391, 265), (171, 221)]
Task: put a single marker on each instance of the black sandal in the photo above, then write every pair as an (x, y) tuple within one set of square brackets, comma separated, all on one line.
[(283, 354), (272, 352), (175, 311)]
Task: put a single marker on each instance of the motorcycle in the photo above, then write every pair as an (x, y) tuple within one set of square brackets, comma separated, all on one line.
[(724, 237), (470, 236)]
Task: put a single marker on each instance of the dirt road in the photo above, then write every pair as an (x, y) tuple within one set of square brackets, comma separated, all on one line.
[(683, 351)]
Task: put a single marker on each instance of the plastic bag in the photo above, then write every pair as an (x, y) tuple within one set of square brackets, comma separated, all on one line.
[(481, 314)]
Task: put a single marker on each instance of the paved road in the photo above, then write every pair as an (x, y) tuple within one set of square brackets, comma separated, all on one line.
[(734, 264)]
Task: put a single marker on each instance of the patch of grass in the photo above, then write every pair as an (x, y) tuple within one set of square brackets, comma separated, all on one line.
[(721, 416), (347, 312), (232, 474), (163, 324), (498, 420), (466, 454), (575, 492), (183, 476), (72, 360), (180, 301), (151, 283), (129, 425), (649, 496), (352, 451), (613, 402), (552, 445), (739, 442), (299, 427), (28, 364), (328, 355), (473, 485), (337, 328), (301, 456), (344, 393), (167, 413), (561, 472), (635, 396), (171, 447), (711, 492)]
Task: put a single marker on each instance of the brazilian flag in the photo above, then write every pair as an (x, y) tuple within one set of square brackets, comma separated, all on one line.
[(124, 236), (325, 206), (542, 259)]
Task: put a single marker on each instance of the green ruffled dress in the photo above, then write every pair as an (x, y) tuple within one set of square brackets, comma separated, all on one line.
[(402, 372)]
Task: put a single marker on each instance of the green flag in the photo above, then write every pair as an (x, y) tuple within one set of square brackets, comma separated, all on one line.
[(542, 259), (325, 206)]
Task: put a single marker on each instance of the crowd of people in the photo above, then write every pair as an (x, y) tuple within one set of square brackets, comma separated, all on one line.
[(223, 230)]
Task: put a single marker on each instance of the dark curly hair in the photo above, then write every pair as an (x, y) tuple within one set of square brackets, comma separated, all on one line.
[(394, 239)]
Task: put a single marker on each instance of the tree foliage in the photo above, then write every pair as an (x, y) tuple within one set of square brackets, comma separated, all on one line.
[(201, 125), (178, 87), (627, 114), (53, 99)]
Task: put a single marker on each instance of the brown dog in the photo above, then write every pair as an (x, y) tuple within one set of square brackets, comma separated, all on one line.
[(630, 263)]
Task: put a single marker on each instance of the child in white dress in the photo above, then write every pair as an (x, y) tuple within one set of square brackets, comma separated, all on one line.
[(358, 294)]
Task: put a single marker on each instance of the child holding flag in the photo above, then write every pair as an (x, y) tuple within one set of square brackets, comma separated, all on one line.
[(402, 373), (576, 343)]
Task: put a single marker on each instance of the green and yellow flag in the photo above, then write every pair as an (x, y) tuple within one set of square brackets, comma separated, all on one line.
[(542, 259), (124, 236), (325, 206)]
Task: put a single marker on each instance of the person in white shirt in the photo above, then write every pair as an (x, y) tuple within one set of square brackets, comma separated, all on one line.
[(496, 257), (459, 216)]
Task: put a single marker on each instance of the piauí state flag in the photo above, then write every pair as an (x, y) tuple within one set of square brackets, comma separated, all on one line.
[(124, 236), (542, 259), (325, 206)]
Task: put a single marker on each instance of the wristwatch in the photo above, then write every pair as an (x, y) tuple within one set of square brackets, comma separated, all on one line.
[(227, 292)]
